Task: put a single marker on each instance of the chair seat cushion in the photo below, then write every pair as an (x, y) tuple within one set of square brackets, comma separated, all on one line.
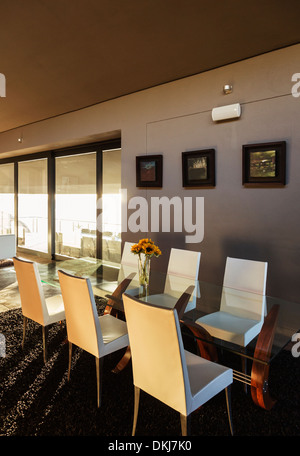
[(167, 301), (55, 308), (206, 379), (230, 328), (114, 333)]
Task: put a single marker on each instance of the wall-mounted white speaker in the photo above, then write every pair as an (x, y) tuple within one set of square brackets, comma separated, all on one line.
[(226, 112)]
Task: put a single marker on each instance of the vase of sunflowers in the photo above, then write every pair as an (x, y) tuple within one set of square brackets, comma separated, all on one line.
[(145, 249)]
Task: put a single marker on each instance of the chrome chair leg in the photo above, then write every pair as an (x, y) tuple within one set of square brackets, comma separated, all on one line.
[(99, 365), (98, 381), (136, 407), (24, 330), (228, 403), (70, 360), (185, 422), (45, 343)]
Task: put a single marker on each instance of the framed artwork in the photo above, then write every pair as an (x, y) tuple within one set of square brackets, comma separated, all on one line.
[(149, 171), (198, 168), (264, 165)]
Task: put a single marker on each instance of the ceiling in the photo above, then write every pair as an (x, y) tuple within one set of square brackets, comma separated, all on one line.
[(58, 56)]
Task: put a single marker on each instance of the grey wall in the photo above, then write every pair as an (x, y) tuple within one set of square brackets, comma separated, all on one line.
[(254, 223), (261, 224)]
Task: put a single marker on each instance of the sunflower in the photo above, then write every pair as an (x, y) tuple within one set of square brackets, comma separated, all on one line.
[(147, 247), (136, 248)]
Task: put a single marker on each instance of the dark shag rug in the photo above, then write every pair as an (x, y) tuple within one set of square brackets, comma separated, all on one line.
[(36, 399)]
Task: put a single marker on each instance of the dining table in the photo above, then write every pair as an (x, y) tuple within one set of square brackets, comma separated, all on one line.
[(279, 330)]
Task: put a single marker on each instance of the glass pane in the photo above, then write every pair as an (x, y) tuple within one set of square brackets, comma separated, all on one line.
[(33, 205), (111, 205), (7, 203), (75, 205)]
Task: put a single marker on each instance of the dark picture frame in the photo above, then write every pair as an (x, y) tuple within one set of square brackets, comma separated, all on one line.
[(198, 168), (264, 164), (149, 170)]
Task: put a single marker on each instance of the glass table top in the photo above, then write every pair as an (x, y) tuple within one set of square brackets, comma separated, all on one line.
[(207, 300)]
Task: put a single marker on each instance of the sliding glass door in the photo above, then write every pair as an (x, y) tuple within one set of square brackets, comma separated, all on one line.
[(33, 205), (111, 205), (52, 202), (75, 205), (7, 205)]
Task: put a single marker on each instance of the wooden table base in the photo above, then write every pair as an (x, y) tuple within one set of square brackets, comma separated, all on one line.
[(260, 372), (123, 362)]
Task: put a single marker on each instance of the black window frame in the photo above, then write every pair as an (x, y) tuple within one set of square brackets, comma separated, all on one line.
[(51, 155)]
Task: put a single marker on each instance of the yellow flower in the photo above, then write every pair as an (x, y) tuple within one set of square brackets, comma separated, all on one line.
[(136, 248), (145, 241), (157, 251), (147, 247)]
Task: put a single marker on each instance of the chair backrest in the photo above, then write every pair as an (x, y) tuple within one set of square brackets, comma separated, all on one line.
[(30, 289), (244, 288), (128, 258), (183, 271), (129, 264), (7, 246), (158, 360), (83, 327), (243, 304), (246, 275), (185, 263)]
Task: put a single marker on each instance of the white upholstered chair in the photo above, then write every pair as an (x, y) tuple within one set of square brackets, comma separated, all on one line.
[(7, 246), (128, 261), (35, 306), (182, 272), (163, 368), (129, 266), (243, 305), (98, 336)]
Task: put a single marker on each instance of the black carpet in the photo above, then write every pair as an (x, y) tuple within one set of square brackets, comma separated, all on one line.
[(37, 399)]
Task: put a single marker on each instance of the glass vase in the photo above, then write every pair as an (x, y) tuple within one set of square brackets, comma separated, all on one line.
[(144, 271)]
